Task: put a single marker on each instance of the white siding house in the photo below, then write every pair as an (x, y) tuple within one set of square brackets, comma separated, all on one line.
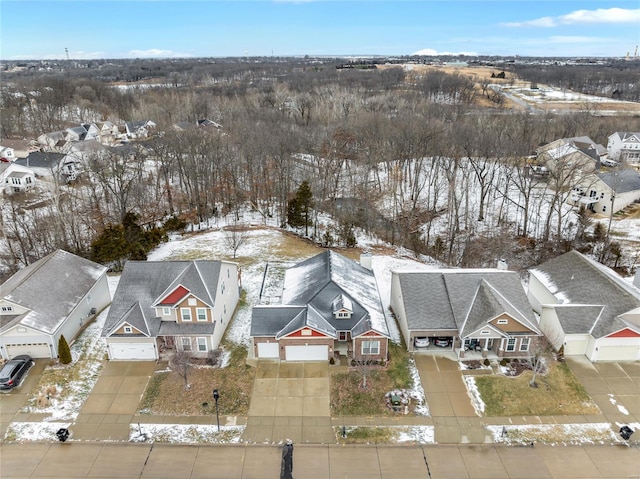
[(57, 295), (586, 308), (624, 146)]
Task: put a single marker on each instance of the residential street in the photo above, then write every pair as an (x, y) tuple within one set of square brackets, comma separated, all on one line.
[(129, 461)]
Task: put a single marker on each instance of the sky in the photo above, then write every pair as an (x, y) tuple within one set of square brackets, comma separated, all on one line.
[(208, 28)]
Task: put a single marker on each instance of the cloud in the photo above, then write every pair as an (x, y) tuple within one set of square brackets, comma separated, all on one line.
[(156, 53), (430, 52), (584, 17)]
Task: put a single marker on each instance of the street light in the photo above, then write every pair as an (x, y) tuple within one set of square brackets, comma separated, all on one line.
[(216, 396)]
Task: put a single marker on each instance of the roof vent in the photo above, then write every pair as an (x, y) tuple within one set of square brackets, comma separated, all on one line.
[(502, 265)]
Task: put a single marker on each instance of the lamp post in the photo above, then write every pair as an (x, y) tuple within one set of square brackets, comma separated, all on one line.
[(216, 396)]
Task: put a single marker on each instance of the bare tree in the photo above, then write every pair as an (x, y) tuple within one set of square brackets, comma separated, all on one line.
[(180, 363), (235, 237)]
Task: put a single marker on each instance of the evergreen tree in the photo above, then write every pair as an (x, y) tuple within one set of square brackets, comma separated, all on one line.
[(64, 353), (299, 208)]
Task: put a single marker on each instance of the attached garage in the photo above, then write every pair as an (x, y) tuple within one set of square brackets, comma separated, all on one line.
[(307, 353), (268, 351), (35, 350), (616, 349), (132, 351)]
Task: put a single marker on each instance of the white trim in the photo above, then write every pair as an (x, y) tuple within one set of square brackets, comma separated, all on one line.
[(370, 353), (198, 311), (182, 310), (206, 347)]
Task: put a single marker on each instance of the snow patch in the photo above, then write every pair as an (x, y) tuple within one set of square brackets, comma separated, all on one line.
[(474, 394)]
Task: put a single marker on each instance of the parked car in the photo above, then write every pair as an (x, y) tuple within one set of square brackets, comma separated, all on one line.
[(14, 371), (442, 342), (421, 342), (609, 163)]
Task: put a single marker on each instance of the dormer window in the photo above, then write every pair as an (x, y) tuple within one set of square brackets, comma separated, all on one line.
[(128, 330), (342, 307)]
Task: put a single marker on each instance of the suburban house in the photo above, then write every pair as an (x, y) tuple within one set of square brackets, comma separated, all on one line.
[(571, 156), (7, 154), (607, 192), (587, 308), (57, 295), (109, 133), (330, 307), (50, 164), (624, 147), (139, 129), (53, 140), (475, 312), (84, 132), (161, 307), (18, 179)]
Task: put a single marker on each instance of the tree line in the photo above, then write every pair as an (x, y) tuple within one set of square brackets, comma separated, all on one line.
[(413, 160)]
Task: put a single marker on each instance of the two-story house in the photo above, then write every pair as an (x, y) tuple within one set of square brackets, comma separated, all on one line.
[(165, 306), (624, 147)]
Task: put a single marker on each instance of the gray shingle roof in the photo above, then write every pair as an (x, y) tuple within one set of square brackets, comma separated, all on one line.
[(316, 284), (578, 319), (51, 288), (575, 279), (38, 159), (463, 299), (143, 282), (621, 181)]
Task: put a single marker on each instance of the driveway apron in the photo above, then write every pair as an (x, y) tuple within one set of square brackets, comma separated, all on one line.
[(290, 401)]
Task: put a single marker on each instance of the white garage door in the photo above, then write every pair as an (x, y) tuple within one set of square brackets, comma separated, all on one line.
[(35, 350), (268, 350), (307, 353), (617, 353), (132, 351)]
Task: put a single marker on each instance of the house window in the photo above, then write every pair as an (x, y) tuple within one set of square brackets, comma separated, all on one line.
[(503, 321), (186, 344), (343, 315), (604, 208), (524, 344), (222, 288), (192, 302), (511, 344), (342, 335), (128, 330), (202, 344), (370, 347), (305, 332), (186, 314), (88, 299), (201, 314), (166, 311), (485, 331), (6, 309)]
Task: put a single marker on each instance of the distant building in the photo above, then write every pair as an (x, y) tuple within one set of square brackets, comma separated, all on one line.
[(624, 147)]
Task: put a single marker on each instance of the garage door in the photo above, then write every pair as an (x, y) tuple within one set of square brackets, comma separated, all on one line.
[(132, 351), (35, 350), (268, 350), (307, 353), (617, 353)]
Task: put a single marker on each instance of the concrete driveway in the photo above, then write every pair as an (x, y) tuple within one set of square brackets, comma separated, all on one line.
[(290, 401), (615, 387), (11, 402), (444, 387), (113, 402)]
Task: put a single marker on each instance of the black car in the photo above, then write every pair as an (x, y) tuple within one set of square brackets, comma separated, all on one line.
[(14, 370)]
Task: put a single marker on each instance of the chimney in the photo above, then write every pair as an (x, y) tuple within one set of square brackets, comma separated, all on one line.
[(502, 265), (365, 260)]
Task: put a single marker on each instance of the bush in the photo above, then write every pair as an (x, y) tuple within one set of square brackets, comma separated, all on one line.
[(64, 353), (332, 360), (486, 362)]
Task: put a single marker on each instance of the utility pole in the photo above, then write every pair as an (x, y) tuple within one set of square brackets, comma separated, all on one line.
[(67, 52)]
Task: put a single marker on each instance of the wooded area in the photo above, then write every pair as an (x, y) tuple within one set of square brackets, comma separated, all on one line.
[(414, 159)]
